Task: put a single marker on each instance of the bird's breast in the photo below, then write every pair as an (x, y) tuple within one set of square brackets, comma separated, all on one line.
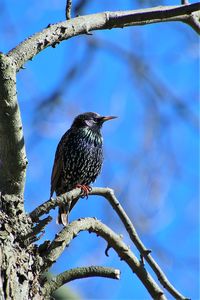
[(83, 157)]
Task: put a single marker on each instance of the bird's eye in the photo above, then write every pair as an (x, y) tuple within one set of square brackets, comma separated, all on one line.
[(90, 122)]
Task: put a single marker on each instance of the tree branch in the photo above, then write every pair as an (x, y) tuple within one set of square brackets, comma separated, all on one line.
[(53, 203), (12, 150), (39, 228), (78, 273), (54, 34), (64, 237), (109, 195), (68, 9)]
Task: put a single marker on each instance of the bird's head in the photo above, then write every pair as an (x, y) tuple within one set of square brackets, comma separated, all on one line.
[(91, 120)]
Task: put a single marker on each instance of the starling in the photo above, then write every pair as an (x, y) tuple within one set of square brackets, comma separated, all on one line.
[(78, 157)]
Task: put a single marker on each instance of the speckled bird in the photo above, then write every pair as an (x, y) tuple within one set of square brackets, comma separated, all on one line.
[(78, 158)]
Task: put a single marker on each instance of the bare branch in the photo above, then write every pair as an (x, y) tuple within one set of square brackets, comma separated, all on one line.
[(78, 273), (53, 203), (39, 228), (65, 236), (12, 150), (54, 34), (109, 195), (68, 9)]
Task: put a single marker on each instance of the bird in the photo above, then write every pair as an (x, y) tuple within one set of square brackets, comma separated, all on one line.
[(78, 158)]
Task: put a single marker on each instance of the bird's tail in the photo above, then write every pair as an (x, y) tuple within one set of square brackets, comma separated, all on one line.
[(62, 216)]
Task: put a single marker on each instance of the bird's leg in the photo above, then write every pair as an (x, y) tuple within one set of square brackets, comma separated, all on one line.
[(85, 189)]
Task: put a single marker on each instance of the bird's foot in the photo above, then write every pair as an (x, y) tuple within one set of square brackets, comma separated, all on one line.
[(85, 189)]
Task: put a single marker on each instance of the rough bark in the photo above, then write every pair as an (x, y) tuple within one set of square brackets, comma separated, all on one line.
[(18, 261)]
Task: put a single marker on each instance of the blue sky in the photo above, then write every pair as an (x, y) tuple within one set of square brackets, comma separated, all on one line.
[(151, 150)]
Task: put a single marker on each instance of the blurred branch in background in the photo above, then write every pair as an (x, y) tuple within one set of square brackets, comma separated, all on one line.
[(70, 76), (147, 76)]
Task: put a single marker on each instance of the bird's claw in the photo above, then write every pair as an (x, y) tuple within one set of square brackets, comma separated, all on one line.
[(85, 190)]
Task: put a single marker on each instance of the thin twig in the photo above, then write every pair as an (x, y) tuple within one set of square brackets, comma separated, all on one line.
[(78, 273), (68, 9), (65, 236), (109, 195), (149, 75), (184, 2)]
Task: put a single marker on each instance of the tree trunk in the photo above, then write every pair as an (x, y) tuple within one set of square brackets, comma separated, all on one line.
[(19, 263), (19, 259)]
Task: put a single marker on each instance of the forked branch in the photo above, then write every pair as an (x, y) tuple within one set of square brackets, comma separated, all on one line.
[(65, 236), (110, 196)]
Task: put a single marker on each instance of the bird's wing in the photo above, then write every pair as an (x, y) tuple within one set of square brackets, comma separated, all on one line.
[(57, 167)]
